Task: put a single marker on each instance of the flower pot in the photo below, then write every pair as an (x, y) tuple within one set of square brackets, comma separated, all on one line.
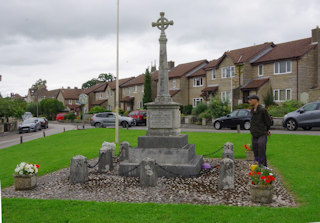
[(250, 155), (25, 182), (261, 193)]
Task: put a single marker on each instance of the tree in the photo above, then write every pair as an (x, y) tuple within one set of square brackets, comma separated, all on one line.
[(147, 94), (97, 109), (218, 108), (40, 84), (12, 108), (32, 107), (106, 77), (268, 99), (51, 107), (89, 83)]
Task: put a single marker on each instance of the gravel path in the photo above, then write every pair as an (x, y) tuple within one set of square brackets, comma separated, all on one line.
[(111, 187)]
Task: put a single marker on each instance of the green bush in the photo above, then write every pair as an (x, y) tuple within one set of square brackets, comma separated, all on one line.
[(243, 106), (70, 116), (218, 108), (268, 99), (186, 110), (206, 114), (284, 108), (199, 109), (126, 113), (97, 109)]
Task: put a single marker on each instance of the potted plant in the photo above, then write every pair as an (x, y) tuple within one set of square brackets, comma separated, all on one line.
[(25, 176), (249, 152), (261, 184)]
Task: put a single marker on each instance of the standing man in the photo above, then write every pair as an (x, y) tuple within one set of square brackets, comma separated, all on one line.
[(260, 129)]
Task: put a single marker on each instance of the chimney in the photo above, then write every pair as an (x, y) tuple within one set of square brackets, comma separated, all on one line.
[(170, 64), (75, 87), (68, 87), (316, 39), (153, 69)]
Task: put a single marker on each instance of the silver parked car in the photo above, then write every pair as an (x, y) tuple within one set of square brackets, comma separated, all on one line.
[(105, 119), (30, 125), (306, 117)]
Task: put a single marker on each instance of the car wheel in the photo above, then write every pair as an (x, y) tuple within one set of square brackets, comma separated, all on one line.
[(307, 128), (97, 125), (134, 122), (291, 125), (124, 124), (247, 125), (217, 125)]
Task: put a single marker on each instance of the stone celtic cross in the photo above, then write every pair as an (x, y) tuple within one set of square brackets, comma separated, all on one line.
[(163, 95), (162, 23)]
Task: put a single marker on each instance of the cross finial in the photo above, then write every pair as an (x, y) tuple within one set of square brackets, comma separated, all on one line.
[(162, 23)]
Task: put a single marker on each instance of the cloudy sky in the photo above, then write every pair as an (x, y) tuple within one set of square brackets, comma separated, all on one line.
[(68, 42)]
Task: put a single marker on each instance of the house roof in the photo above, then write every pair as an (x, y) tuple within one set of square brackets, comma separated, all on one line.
[(198, 73), (92, 88), (102, 87), (183, 69), (127, 99), (122, 82), (245, 54), (174, 92), (288, 50), (135, 81), (71, 93), (210, 88), (212, 63), (99, 102), (254, 84), (41, 91), (52, 93)]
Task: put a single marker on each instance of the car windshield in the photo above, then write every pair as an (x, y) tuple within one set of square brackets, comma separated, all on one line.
[(233, 114), (28, 121)]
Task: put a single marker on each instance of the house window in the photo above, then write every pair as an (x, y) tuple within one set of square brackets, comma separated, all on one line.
[(142, 88), (260, 70), (77, 102), (109, 108), (100, 95), (70, 102), (140, 105), (281, 95), (197, 101), (283, 67), (225, 96), (129, 90), (197, 82), (174, 83), (213, 74), (227, 71), (135, 88), (107, 94)]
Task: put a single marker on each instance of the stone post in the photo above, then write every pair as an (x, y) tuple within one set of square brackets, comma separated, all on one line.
[(79, 169), (226, 174), (110, 145), (148, 173), (124, 151), (228, 151), (105, 160)]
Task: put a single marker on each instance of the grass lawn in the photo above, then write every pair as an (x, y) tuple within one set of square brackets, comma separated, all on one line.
[(294, 156)]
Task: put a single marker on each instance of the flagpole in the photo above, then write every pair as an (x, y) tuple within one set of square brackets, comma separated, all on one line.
[(117, 80)]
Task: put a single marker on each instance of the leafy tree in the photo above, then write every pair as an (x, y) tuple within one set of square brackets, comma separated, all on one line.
[(147, 94), (186, 110), (106, 77), (32, 107), (201, 107), (12, 107), (268, 99), (51, 107), (89, 83), (70, 116), (40, 84), (97, 109)]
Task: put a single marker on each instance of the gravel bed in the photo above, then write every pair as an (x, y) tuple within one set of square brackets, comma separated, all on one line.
[(111, 187)]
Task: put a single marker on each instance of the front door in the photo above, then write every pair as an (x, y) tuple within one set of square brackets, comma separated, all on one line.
[(245, 96)]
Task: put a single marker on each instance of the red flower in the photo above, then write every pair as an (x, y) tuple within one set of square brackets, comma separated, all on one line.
[(252, 182), (263, 177), (268, 181), (272, 178), (245, 146), (37, 166), (250, 173), (259, 173)]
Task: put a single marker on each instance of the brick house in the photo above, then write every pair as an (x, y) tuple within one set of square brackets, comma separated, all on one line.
[(70, 99), (91, 96)]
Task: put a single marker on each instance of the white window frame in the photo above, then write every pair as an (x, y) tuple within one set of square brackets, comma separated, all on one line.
[(142, 88), (196, 101), (77, 102), (135, 88), (128, 90), (277, 64), (225, 96), (107, 94), (226, 70), (174, 83), (140, 105), (70, 101), (288, 97), (262, 70), (195, 80), (213, 74)]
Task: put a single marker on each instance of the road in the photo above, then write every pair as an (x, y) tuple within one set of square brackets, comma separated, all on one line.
[(11, 139)]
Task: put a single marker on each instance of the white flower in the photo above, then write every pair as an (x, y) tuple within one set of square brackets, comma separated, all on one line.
[(20, 173), (17, 170), (270, 174)]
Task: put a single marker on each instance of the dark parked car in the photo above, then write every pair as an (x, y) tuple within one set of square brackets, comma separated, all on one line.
[(306, 117), (140, 117), (30, 125), (105, 119), (44, 122), (240, 117)]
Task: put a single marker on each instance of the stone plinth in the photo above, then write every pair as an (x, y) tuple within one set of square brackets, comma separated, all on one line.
[(105, 160), (79, 169), (148, 173), (226, 174)]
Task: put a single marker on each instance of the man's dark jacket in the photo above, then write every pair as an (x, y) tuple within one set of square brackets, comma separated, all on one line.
[(260, 122)]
